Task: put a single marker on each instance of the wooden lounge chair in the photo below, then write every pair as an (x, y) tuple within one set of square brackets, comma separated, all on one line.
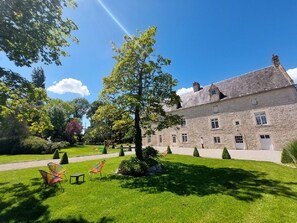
[(57, 170), (97, 169), (49, 178)]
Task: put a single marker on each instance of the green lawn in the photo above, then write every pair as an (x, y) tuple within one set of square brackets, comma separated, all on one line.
[(190, 190), (82, 150)]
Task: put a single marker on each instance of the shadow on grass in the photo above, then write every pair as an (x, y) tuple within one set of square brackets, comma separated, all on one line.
[(186, 179)]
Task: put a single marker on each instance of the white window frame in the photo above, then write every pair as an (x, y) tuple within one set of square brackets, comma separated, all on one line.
[(183, 122), (174, 138), (214, 122), (216, 140), (184, 137), (261, 118)]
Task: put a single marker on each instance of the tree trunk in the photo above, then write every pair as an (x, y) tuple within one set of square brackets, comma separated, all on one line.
[(138, 136)]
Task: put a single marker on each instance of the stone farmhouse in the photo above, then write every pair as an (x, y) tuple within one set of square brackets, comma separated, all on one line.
[(253, 111)]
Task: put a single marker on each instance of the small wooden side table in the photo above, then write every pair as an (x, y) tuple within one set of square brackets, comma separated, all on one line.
[(77, 176)]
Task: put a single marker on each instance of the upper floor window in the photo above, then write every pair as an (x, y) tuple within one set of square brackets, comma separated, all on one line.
[(183, 122), (261, 118), (184, 137), (214, 123), (160, 139), (213, 92)]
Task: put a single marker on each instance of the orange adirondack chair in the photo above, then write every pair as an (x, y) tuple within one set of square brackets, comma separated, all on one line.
[(97, 168), (49, 178), (57, 170)]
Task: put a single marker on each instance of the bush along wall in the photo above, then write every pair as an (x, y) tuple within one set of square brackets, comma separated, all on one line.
[(169, 150), (225, 154), (196, 153), (64, 159), (289, 153), (122, 151)]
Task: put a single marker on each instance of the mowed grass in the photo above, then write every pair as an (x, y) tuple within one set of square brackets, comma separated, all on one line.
[(190, 190), (82, 150)]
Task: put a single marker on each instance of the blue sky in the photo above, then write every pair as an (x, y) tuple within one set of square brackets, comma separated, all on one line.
[(207, 41)]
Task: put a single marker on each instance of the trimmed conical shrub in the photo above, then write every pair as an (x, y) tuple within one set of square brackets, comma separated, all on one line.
[(56, 154), (122, 151), (129, 148), (104, 151), (169, 150), (64, 159), (196, 153), (225, 154)]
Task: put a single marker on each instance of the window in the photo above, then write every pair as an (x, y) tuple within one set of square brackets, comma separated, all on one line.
[(238, 139), (149, 139), (183, 122), (237, 123), (265, 136), (216, 140), (160, 139), (214, 123), (184, 137), (213, 92), (173, 138), (261, 118)]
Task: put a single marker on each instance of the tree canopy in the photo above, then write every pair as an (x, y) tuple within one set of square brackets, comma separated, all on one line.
[(35, 30), (139, 86)]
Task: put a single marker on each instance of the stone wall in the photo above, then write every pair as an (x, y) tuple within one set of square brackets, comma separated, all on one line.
[(279, 105)]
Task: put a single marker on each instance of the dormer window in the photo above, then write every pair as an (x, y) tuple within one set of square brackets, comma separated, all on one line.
[(213, 92)]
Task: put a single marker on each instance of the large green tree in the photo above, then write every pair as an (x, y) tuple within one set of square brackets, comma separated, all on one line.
[(138, 85), (81, 107), (31, 31)]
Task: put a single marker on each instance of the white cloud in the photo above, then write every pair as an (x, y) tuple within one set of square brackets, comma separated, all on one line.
[(293, 74), (69, 85), (184, 90)]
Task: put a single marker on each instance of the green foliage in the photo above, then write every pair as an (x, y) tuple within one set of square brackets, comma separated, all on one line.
[(81, 106), (149, 152), (35, 30), (64, 159), (38, 77), (169, 150), (104, 151), (56, 154), (133, 167), (121, 151), (225, 154), (151, 161), (139, 88), (33, 145), (196, 153), (289, 153), (8, 145)]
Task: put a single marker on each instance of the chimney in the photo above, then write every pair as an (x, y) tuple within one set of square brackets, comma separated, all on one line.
[(196, 86), (275, 60)]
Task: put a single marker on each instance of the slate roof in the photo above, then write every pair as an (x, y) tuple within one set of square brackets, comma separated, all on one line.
[(265, 79)]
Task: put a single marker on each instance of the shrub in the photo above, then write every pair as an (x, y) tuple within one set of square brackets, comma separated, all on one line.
[(56, 154), (151, 162), (225, 154), (34, 145), (129, 148), (169, 150), (122, 152), (149, 152), (289, 152), (133, 167), (9, 145), (104, 151), (64, 159), (196, 153)]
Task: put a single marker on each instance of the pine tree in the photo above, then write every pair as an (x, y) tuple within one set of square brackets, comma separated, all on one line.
[(196, 153), (225, 154), (169, 150), (104, 151), (64, 159), (56, 154)]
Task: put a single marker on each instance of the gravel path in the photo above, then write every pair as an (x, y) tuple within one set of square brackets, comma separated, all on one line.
[(258, 155)]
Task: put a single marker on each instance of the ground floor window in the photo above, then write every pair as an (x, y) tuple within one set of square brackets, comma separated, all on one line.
[(173, 138), (238, 139), (184, 137), (160, 139), (216, 140)]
